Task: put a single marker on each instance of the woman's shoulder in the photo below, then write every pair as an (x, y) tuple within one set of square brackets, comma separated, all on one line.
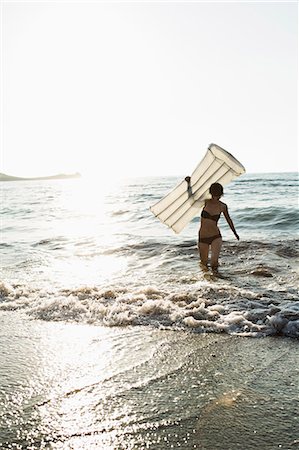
[(223, 206)]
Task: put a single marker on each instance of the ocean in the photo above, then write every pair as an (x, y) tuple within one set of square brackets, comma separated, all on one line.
[(112, 336)]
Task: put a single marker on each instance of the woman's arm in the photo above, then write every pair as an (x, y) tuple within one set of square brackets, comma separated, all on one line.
[(230, 222)]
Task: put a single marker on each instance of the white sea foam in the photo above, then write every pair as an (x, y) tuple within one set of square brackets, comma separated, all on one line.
[(204, 309)]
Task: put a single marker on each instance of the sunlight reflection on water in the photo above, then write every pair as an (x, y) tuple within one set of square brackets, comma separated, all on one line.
[(75, 271), (81, 387)]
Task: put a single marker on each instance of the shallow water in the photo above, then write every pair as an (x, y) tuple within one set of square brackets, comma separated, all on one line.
[(74, 386), (74, 251), (113, 337)]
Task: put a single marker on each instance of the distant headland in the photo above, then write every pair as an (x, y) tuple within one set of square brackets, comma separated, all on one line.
[(61, 176)]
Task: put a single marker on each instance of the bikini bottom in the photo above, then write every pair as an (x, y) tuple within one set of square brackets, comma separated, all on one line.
[(209, 240)]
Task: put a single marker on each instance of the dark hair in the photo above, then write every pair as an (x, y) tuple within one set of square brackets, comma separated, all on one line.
[(216, 190)]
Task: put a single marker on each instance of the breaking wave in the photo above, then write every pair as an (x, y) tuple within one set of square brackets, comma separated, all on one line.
[(202, 308)]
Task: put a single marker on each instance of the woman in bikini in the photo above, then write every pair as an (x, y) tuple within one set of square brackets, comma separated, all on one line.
[(209, 233)]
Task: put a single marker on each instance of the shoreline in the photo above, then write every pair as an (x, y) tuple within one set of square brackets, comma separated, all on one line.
[(87, 386)]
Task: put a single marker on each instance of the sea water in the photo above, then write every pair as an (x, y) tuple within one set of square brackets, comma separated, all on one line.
[(113, 337)]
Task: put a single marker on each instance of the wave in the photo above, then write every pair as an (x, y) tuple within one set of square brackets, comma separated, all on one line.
[(50, 241), (120, 212), (5, 245), (203, 307), (268, 183), (265, 178), (285, 249), (268, 216)]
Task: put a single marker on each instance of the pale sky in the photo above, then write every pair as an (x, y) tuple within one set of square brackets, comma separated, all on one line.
[(142, 88)]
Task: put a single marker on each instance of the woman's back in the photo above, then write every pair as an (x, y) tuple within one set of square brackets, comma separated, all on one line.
[(211, 211), (209, 233), (214, 207)]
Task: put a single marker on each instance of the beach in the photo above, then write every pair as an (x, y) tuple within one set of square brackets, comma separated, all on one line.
[(80, 386), (113, 337), (113, 334)]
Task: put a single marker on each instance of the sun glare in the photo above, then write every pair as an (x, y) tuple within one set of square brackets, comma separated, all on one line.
[(87, 270)]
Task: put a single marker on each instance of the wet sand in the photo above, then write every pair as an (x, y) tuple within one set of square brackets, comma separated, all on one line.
[(74, 386)]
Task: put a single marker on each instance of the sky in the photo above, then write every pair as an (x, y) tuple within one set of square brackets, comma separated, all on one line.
[(117, 89)]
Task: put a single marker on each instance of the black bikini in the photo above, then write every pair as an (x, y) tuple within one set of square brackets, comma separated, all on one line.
[(207, 215), (210, 239)]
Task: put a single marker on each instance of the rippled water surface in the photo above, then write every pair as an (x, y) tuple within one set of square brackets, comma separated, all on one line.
[(78, 251)]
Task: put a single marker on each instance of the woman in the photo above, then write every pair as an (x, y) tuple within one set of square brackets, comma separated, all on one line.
[(209, 233)]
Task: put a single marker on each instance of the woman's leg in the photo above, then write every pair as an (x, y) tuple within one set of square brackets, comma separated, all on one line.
[(215, 251), (204, 253)]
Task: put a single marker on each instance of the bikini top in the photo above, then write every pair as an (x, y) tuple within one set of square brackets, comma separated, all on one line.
[(207, 215)]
